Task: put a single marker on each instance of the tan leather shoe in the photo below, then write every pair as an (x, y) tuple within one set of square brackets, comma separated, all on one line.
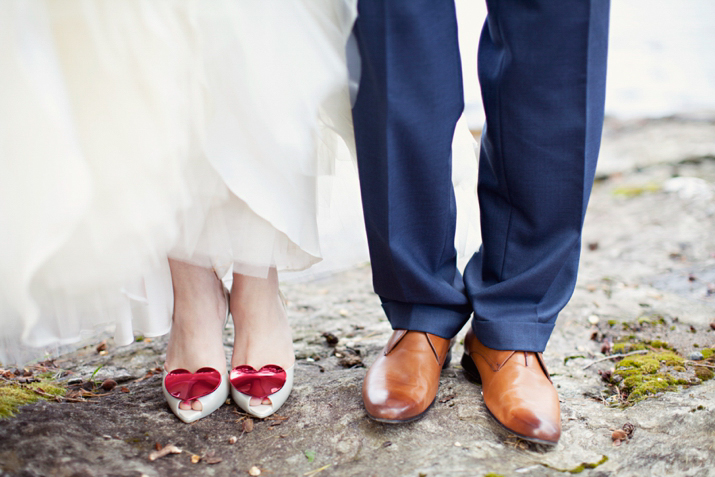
[(402, 383), (517, 390)]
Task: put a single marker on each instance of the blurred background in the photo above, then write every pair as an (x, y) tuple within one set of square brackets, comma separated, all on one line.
[(661, 58)]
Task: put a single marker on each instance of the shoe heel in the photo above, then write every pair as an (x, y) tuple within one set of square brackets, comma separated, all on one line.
[(470, 369)]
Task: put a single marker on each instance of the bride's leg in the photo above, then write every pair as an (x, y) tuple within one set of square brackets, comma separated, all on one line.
[(262, 332), (199, 314)]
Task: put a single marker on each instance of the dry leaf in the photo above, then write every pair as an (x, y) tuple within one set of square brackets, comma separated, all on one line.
[(195, 459), (247, 425)]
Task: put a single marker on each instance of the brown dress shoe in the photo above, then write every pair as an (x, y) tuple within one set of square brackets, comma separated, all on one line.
[(402, 383), (517, 390)]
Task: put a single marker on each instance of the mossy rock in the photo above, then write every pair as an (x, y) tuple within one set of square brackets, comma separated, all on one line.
[(707, 352), (704, 373), (643, 375), (13, 395)]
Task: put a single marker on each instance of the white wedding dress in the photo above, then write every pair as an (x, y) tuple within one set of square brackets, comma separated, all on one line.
[(135, 130)]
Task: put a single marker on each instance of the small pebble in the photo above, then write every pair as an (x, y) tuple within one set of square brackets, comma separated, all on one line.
[(109, 384), (619, 434), (712, 325), (593, 319), (232, 439), (254, 471), (457, 444), (330, 338), (343, 312), (695, 356), (195, 459)]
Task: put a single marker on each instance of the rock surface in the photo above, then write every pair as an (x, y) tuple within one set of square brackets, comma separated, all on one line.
[(649, 251)]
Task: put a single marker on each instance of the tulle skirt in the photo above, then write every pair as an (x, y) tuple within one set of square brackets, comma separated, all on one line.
[(138, 130)]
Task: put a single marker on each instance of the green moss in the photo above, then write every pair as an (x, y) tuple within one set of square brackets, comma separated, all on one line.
[(581, 467), (643, 375), (651, 362), (650, 385), (634, 191), (612, 323), (618, 348), (658, 344), (14, 395), (624, 347), (588, 465), (705, 374), (492, 474), (707, 352)]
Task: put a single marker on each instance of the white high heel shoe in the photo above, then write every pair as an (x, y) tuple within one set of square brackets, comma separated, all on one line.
[(207, 386), (271, 382)]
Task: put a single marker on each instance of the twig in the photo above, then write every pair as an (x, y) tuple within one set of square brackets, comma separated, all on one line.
[(369, 335), (170, 449), (616, 356), (54, 396), (316, 471), (693, 363)]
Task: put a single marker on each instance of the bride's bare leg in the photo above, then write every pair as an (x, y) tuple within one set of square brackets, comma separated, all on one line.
[(263, 335), (199, 314)]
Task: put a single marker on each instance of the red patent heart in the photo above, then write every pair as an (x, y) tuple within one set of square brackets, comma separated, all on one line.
[(189, 386), (264, 382)]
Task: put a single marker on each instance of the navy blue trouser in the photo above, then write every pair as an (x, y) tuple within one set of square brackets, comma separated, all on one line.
[(542, 71)]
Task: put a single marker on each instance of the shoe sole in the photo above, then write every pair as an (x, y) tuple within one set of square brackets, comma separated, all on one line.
[(447, 361), (472, 374)]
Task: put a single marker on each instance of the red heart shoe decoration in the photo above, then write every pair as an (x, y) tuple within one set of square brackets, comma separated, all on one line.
[(189, 386), (264, 382)]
